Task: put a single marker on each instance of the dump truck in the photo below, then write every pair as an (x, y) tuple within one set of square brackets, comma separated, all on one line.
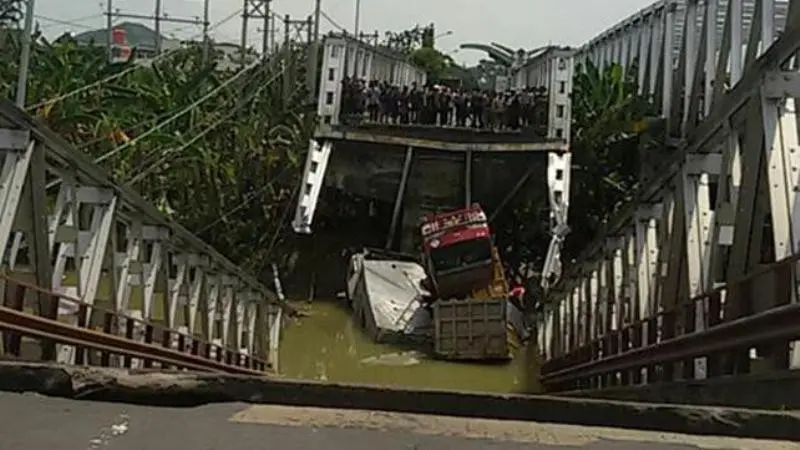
[(454, 294), (457, 251)]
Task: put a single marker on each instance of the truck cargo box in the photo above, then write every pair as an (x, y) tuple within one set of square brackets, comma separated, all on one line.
[(476, 327), (471, 329)]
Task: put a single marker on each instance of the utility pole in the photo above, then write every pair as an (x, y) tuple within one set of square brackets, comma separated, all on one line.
[(299, 27), (25, 56), (356, 28), (287, 55), (273, 33), (206, 37), (357, 36), (311, 68), (157, 16), (110, 24), (265, 49), (313, 53), (253, 9)]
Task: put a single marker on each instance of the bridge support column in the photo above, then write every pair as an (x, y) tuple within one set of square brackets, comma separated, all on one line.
[(412, 211), (558, 174), (398, 201), (313, 179), (468, 178)]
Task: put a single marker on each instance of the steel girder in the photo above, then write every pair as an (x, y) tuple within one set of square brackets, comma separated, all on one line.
[(728, 87), (85, 237)]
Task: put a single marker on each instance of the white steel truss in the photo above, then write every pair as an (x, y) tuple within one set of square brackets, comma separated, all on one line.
[(731, 81), (554, 70), (345, 57), (104, 245)]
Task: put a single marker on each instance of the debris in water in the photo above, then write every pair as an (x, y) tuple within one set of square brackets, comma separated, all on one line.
[(394, 359)]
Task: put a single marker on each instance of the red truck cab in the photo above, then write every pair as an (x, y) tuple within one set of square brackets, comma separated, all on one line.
[(457, 251)]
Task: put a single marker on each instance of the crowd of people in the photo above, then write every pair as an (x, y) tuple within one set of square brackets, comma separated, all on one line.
[(438, 105)]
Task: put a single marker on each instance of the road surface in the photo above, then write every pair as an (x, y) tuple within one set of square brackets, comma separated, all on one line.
[(34, 422)]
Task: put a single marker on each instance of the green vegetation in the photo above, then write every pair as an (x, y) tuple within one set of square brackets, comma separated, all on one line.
[(609, 120), (609, 133), (418, 44), (226, 169)]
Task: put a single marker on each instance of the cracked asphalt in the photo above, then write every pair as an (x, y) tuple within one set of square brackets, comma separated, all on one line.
[(34, 422)]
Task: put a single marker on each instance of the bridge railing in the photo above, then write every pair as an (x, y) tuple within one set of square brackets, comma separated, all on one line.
[(344, 57), (119, 341), (755, 312), (724, 204), (66, 227)]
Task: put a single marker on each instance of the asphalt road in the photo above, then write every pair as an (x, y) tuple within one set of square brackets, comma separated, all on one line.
[(33, 422)]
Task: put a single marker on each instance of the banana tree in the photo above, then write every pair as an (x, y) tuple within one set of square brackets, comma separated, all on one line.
[(606, 107), (224, 167)]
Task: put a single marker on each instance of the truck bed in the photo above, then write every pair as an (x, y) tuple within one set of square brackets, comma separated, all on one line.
[(476, 328)]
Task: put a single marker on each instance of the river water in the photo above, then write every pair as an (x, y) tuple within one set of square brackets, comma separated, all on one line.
[(327, 345)]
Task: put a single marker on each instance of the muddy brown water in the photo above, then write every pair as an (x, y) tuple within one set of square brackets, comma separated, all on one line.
[(328, 345)]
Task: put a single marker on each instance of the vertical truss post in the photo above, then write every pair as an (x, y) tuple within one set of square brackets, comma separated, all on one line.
[(781, 142), (558, 175), (18, 148), (400, 196), (313, 179)]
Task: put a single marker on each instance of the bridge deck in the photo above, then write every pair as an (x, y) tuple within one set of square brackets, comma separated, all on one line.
[(239, 426), (444, 138)]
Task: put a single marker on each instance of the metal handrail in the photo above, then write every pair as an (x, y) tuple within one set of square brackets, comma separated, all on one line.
[(15, 320), (720, 334)]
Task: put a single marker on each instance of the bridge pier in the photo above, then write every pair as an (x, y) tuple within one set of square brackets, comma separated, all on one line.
[(401, 194)]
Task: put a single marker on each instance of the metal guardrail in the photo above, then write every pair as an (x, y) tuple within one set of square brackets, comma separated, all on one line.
[(753, 313), (112, 240), (128, 337)]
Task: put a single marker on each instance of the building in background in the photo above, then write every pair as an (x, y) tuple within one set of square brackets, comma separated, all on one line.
[(137, 40)]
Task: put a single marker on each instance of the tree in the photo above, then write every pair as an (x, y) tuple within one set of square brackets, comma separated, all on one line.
[(407, 41), (227, 170), (607, 111), (607, 140), (419, 46), (431, 60), (11, 14)]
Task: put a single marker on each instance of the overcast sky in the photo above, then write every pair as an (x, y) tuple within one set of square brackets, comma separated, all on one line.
[(515, 23)]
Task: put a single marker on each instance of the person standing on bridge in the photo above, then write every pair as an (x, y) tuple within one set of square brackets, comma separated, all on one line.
[(478, 109), (373, 101)]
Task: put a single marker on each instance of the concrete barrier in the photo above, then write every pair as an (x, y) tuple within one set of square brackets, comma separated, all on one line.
[(778, 391), (190, 389)]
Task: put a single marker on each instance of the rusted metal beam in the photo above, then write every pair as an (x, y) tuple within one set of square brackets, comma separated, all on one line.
[(40, 327), (14, 319), (775, 324)]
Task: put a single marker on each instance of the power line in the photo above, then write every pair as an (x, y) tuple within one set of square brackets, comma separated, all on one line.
[(147, 171), (332, 22), (177, 116), (123, 72), (171, 119), (249, 198), (70, 22)]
